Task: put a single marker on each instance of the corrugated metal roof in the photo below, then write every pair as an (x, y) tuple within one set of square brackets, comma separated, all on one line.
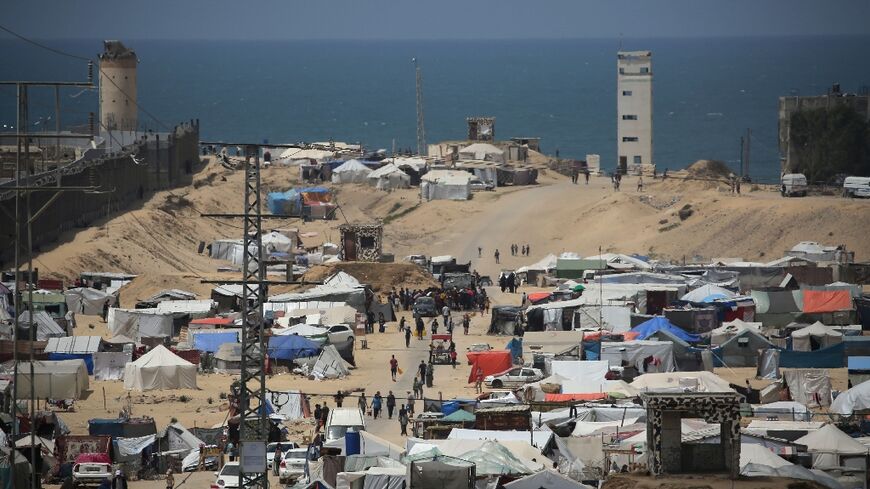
[(73, 344)]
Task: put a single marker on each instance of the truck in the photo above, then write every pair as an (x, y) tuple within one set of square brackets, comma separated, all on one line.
[(793, 185), (856, 187)]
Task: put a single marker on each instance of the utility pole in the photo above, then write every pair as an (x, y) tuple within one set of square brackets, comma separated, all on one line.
[(421, 128), (742, 155), (748, 148)]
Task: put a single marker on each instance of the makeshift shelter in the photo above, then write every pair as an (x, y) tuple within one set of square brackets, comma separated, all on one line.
[(822, 299), (482, 152), (351, 171), (160, 369), (581, 376), (46, 326), (291, 347), (228, 358), (493, 458), (329, 364), (505, 320), (681, 382), (441, 473), (491, 362), (140, 323), (731, 329), (830, 448), (73, 347), (742, 349), (210, 341), (445, 185), (636, 354), (534, 274), (545, 479), (708, 293), (648, 328), (110, 365), (389, 177), (856, 399), (88, 301), (815, 337), (63, 379)]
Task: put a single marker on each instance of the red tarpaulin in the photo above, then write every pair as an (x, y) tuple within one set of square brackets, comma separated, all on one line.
[(827, 300), (99, 458), (592, 396), (492, 362), (536, 297), (215, 321)]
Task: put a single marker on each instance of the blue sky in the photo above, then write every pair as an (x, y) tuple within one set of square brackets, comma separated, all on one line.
[(435, 19)]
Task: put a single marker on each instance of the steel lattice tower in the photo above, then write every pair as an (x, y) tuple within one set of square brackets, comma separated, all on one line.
[(421, 127), (254, 422)]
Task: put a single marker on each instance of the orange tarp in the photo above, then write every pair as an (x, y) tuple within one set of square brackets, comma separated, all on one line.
[(492, 362), (592, 396), (827, 300), (309, 198)]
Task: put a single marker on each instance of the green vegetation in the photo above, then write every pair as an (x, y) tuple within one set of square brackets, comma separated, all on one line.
[(830, 142)]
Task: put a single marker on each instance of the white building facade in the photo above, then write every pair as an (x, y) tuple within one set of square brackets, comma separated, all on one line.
[(634, 131)]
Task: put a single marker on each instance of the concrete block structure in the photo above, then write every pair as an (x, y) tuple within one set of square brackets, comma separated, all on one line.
[(667, 454), (361, 242), (634, 129), (118, 110)]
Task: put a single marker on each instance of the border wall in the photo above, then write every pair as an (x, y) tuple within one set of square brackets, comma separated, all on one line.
[(161, 161)]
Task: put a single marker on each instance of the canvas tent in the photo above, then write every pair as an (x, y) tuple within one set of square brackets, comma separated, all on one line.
[(351, 171), (829, 446), (88, 301), (855, 399), (110, 365), (46, 326), (389, 177), (815, 337), (635, 352), (581, 376), (140, 323), (160, 369), (445, 185), (708, 293), (646, 329), (441, 473), (64, 379), (731, 329), (228, 358)]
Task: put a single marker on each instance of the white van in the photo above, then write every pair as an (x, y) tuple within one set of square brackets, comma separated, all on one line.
[(794, 185), (341, 420), (856, 187)]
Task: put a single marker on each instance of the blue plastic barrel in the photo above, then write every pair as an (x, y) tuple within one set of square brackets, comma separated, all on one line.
[(351, 443)]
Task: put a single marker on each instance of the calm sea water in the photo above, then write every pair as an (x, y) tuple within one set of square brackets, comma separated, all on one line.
[(707, 92)]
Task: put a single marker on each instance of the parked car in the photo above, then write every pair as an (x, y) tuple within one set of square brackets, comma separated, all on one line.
[(292, 465), (339, 334), (418, 260), (856, 187), (515, 377), (270, 450), (478, 185), (228, 477), (794, 185), (425, 307), (91, 473)]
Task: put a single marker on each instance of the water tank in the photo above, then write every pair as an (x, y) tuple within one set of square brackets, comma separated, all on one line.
[(351, 443)]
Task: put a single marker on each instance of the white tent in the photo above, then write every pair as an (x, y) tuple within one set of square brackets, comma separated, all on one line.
[(482, 152), (731, 329), (751, 453), (88, 301), (275, 242), (63, 379), (824, 336), (329, 364), (707, 293), (445, 185), (389, 177), (545, 264), (681, 382), (546, 479), (291, 155), (351, 171), (829, 444), (110, 365), (140, 323), (160, 369), (855, 399), (581, 376)]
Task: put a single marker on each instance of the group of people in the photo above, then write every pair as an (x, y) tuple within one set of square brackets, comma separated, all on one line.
[(575, 175), (616, 180), (508, 281), (523, 250)]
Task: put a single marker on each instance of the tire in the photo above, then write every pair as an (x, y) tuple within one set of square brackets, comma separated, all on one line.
[(497, 384)]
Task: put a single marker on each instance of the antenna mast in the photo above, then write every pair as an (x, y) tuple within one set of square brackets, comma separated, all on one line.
[(421, 127)]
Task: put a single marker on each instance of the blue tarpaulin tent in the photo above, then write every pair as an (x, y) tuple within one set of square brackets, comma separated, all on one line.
[(290, 347), (646, 329), (515, 346), (211, 342), (87, 357), (830, 357)]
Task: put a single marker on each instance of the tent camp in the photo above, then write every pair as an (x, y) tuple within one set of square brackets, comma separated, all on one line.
[(646, 329), (708, 293), (815, 337), (351, 171), (482, 152), (731, 329), (329, 364), (389, 177), (831, 447), (445, 185), (88, 301), (64, 379), (160, 369)]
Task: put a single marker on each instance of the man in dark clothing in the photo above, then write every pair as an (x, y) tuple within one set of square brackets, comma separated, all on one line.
[(119, 482), (403, 420), (339, 398), (430, 376), (407, 337), (422, 369), (318, 414), (391, 404)]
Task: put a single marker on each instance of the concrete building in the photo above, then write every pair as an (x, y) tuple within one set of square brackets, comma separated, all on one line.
[(789, 105), (634, 135), (118, 111)]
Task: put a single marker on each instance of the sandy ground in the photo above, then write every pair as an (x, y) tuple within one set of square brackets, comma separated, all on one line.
[(158, 240), (634, 481)]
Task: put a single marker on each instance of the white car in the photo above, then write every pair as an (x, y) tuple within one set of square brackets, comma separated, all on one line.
[(418, 260), (271, 447), (91, 473), (478, 185), (292, 465), (515, 377), (228, 477), (339, 334)]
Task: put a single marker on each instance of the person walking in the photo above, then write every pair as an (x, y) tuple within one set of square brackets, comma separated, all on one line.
[(478, 380), (497, 254), (407, 337), (276, 460), (640, 183), (231, 451), (402, 324), (391, 404), (410, 406), (586, 174), (453, 358), (376, 404), (324, 416), (479, 252), (434, 326), (420, 327), (339, 398), (318, 412), (382, 323), (430, 375), (403, 421), (445, 312), (170, 480), (394, 367), (120, 480), (363, 403), (466, 323)]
